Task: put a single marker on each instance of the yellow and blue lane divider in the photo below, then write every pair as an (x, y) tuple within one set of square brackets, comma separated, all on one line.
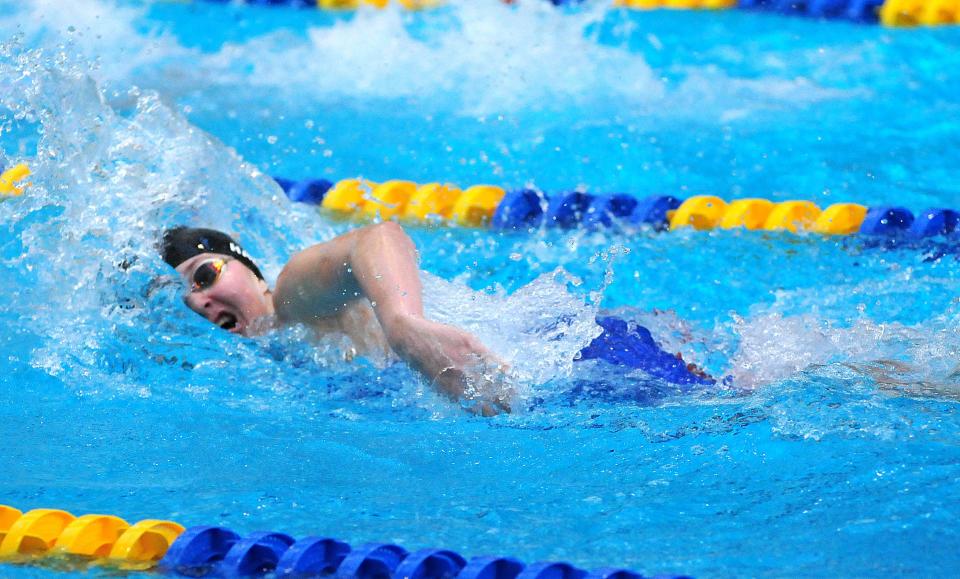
[(168, 547), (888, 12), (526, 209)]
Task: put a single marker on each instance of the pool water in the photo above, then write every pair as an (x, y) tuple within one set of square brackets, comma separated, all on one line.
[(831, 448)]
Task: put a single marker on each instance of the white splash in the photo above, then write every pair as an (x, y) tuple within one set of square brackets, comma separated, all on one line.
[(538, 330), (469, 58), (910, 359)]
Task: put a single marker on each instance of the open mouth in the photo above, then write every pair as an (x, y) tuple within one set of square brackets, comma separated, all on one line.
[(227, 321)]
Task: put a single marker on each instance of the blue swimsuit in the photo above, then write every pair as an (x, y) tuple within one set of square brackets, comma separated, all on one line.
[(633, 347)]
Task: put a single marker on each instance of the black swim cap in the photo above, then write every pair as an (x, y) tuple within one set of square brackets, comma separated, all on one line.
[(181, 243)]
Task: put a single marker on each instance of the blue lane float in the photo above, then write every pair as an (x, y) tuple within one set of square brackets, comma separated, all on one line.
[(654, 210), (520, 209), (566, 210), (886, 221), (198, 551), (210, 551), (431, 563), (372, 561), (934, 222), (312, 556), (310, 191), (557, 570), (604, 210), (492, 568), (614, 574), (285, 3), (866, 11), (255, 554)]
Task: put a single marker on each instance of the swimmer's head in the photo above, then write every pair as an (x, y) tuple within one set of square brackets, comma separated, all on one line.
[(225, 286), (182, 243)]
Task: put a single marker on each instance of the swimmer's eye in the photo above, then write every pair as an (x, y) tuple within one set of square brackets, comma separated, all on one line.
[(207, 274)]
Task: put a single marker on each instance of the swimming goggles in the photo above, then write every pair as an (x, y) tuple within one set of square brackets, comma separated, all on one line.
[(207, 274)]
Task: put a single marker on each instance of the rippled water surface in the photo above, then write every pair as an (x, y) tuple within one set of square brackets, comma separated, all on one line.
[(831, 450)]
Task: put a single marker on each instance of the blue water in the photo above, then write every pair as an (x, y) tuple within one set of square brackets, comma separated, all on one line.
[(834, 452)]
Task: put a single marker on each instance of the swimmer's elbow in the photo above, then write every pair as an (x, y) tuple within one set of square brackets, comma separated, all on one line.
[(383, 238), (388, 227), (387, 230)]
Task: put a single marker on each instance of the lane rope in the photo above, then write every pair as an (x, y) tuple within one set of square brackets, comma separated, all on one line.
[(528, 209), (110, 542), (887, 12)]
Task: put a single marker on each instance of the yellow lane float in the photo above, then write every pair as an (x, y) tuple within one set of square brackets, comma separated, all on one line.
[(700, 212), (91, 535), (348, 195), (748, 213), (35, 532), (432, 201), (389, 199), (937, 12), (476, 205), (840, 219), (792, 216), (8, 516), (915, 12), (146, 542)]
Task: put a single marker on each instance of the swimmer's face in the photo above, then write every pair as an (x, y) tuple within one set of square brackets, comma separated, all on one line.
[(226, 292)]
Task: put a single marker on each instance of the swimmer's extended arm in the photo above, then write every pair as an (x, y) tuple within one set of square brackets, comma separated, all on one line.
[(379, 262)]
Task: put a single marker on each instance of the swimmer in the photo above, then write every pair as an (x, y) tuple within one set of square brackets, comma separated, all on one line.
[(366, 284)]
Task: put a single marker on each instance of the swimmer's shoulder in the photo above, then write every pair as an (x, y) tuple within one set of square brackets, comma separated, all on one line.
[(358, 322)]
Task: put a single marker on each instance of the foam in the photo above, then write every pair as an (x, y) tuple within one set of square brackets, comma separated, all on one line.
[(537, 330), (485, 58), (477, 59), (105, 184), (915, 360)]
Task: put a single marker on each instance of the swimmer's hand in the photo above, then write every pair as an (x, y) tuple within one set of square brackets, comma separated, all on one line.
[(454, 360), (694, 369)]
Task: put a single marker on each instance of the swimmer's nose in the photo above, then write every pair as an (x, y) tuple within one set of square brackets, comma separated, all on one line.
[(200, 304), (206, 310)]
